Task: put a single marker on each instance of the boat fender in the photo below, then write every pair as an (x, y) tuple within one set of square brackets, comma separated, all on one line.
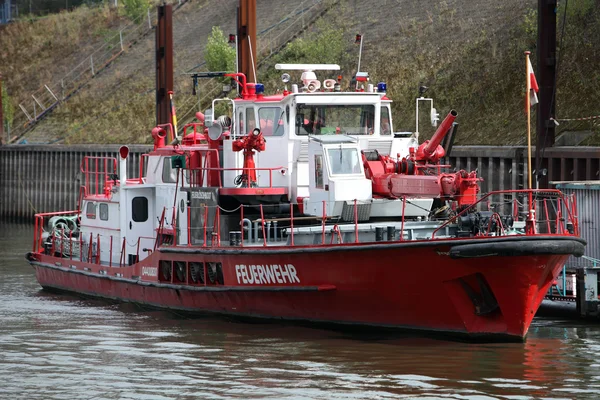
[(574, 247)]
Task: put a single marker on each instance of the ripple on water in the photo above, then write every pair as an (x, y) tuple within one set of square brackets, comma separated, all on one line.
[(61, 347)]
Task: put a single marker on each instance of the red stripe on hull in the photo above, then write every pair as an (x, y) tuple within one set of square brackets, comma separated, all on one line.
[(418, 288)]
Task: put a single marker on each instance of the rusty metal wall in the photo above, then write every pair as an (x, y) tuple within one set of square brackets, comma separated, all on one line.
[(47, 178), (587, 195)]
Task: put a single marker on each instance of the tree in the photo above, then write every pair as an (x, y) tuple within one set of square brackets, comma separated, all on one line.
[(219, 55)]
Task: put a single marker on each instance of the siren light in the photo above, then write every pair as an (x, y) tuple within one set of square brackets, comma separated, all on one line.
[(231, 38), (260, 88), (381, 87)]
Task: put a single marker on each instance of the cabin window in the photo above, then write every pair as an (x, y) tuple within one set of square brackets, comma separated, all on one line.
[(344, 161), (319, 171), (250, 120), (334, 119), (271, 121), (169, 174), (90, 210), (139, 209), (103, 209), (241, 123), (386, 124)]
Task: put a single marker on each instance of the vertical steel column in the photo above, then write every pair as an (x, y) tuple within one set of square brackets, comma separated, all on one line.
[(1, 115), (164, 63), (546, 60), (246, 30)]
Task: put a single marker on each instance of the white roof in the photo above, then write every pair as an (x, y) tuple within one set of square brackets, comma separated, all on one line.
[(308, 67)]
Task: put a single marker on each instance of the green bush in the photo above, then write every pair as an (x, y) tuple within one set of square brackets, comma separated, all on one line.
[(219, 54), (136, 8)]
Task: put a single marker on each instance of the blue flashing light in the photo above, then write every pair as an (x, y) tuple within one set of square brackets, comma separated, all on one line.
[(381, 87), (260, 88)]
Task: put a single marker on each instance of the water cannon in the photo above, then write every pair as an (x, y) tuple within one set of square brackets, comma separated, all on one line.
[(249, 144), (430, 150)]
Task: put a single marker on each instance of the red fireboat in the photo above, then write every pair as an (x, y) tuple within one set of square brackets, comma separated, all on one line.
[(306, 206)]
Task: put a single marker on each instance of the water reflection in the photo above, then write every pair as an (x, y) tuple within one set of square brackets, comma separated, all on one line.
[(62, 347)]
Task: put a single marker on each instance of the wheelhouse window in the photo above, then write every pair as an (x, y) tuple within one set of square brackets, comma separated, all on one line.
[(319, 171), (139, 209), (271, 121), (103, 208), (344, 161), (90, 210), (385, 128), (334, 119), (250, 121), (169, 174)]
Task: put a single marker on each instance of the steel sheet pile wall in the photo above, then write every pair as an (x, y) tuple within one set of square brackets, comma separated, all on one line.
[(501, 168), (588, 210), (506, 167), (47, 178)]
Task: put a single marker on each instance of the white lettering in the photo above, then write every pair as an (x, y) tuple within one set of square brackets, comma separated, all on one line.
[(269, 274), (149, 271), (238, 274), (277, 273), (261, 273), (244, 275), (285, 273), (255, 274), (202, 195), (250, 276), (293, 276)]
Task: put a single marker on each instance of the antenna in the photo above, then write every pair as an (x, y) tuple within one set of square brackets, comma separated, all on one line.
[(359, 39), (252, 59)]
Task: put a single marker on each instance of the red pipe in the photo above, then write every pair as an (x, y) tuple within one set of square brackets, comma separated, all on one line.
[(241, 81), (428, 151), (355, 222)]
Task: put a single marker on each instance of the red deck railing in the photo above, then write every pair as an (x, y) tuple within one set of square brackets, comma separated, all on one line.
[(545, 212), (99, 173)]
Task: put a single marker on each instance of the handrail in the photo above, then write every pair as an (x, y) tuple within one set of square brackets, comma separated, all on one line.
[(220, 169), (530, 192), (97, 172)]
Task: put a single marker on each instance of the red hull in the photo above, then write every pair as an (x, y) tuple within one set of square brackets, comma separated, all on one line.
[(419, 285)]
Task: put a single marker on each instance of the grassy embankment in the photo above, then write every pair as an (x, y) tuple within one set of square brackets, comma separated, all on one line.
[(40, 50), (481, 77)]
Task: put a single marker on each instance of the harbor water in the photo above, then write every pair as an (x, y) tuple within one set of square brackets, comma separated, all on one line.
[(58, 346)]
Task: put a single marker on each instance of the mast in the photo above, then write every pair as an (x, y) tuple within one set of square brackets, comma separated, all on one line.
[(546, 65), (164, 64), (246, 31)]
